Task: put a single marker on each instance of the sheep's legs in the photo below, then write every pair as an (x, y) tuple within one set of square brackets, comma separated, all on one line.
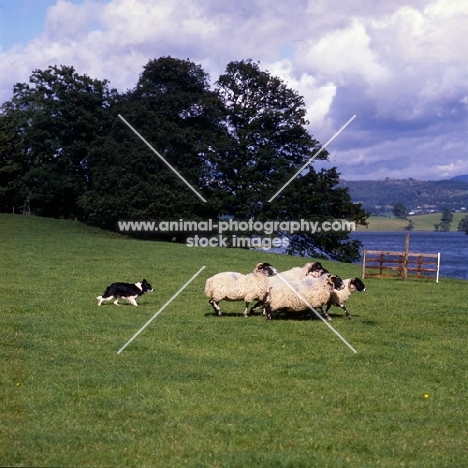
[(256, 306), (342, 306), (266, 305), (325, 313), (216, 308), (346, 311), (246, 310), (269, 313)]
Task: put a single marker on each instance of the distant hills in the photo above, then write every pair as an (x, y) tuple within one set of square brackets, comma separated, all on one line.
[(463, 178), (419, 196)]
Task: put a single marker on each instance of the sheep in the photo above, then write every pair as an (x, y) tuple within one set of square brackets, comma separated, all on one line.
[(338, 298), (298, 295), (233, 286), (312, 269), (309, 270)]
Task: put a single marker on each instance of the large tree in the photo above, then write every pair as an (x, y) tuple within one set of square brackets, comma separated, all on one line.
[(174, 110), (269, 142), (13, 163), (47, 130), (266, 124)]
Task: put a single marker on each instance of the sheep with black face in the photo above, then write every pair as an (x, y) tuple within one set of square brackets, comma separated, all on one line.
[(299, 295), (233, 286), (338, 298), (310, 270)]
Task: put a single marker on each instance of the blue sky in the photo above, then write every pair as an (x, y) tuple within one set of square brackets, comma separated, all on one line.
[(22, 20), (398, 65)]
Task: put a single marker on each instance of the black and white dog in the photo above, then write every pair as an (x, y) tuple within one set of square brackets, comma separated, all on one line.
[(126, 291)]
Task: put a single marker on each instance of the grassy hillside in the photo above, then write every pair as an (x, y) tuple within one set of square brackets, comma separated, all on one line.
[(197, 390), (426, 222), (381, 223), (421, 223)]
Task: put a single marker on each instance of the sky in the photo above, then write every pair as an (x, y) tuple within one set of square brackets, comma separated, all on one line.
[(399, 66)]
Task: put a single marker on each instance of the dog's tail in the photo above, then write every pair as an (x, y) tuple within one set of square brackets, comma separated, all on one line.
[(107, 293)]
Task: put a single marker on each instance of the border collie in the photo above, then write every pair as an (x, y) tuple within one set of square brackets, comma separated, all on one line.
[(126, 291)]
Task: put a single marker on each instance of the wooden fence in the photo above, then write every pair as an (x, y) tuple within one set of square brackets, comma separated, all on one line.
[(400, 264)]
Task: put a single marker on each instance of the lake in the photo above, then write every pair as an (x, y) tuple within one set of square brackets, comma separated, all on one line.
[(453, 247)]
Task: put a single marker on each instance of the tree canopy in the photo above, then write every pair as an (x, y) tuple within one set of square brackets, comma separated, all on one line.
[(65, 151), (399, 210), (48, 128), (445, 220), (463, 225), (174, 110)]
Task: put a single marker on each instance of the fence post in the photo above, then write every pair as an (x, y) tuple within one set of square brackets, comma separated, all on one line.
[(364, 264), (400, 265), (405, 263)]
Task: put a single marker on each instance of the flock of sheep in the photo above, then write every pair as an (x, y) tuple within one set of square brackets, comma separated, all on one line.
[(294, 290)]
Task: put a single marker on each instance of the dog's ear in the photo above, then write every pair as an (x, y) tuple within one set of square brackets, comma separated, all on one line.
[(144, 281)]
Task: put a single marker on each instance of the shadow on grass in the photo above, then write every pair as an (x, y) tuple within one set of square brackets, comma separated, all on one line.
[(225, 314), (285, 316), (302, 316), (369, 322)]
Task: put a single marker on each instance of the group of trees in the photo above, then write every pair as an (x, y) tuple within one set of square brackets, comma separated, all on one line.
[(463, 225), (400, 212), (445, 220), (64, 151)]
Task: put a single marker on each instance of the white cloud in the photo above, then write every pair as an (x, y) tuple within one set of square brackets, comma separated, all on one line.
[(317, 97), (70, 22), (344, 55)]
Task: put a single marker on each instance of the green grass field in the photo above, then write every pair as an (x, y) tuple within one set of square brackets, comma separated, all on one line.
[(197, 390), (420, 222)]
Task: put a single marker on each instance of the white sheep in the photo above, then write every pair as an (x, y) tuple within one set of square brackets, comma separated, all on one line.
[(298, 295), (311, 269), (233, 286), (338, 298)]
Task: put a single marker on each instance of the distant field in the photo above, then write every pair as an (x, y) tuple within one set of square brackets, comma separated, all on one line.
[(197, 390), (421, 223), (381, 223)]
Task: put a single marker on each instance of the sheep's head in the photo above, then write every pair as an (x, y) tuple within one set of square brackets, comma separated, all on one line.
[(337, 282), (266, 269), (329, 282), (357, 285), (333, 281), (315, 269)]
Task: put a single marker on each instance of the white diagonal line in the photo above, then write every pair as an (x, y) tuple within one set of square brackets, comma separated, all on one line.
[(312, 158), (316, 313), (161, 309), (165, 162)]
